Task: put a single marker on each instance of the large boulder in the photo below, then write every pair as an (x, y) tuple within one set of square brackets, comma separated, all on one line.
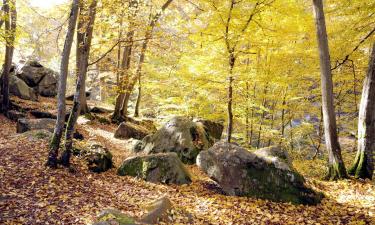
[(19, 88), (214, 129), (24, 124), (36, 76), (146, 123), (127, 130), (97, 157), (158, 168), (180, 135), (243, 173)]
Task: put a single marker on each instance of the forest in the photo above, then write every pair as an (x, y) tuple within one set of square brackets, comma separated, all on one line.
[(116, 112)]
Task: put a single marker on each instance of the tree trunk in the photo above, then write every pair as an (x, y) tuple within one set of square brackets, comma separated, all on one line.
[(232, 60), (247, 111), (9, 9), (252, 118), (125, 65), (61, 106), (336, 167), (131, 83), (84, 38), (137, 104), (363, 166)]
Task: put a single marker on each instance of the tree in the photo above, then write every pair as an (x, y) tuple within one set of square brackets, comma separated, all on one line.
[(84, 37), (129, 86), (336, 167), (126, 59), (61, 105), (363, 166), (10, 11)]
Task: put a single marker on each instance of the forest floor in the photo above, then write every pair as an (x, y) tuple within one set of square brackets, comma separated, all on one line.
[(33, 194)]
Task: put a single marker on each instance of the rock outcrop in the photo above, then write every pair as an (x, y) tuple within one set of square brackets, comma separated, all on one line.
[(214, 129), (127, 130), (98, 157), (19, 88), (243, 173), (158, 168), (24, 124), (180, 135), (38, 77)]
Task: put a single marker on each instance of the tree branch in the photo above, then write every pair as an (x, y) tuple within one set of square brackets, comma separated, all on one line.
[(346, 58)]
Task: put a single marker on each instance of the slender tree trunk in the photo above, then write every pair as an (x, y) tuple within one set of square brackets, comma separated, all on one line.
[(137, 104), (283, 110), (264, 104), (252, 118), (125, 65), (131, 83), (363, 166), (273, 117), (232, 60), (247, 111), (84, 38), (61, 105), (9, 8), (336, 167)]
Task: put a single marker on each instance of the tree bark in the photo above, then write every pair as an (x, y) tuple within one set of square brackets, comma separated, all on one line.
[(336, 167), (139, 97), (84, 38), (61, 105), (230, 97), (363, 166), (10, 11)]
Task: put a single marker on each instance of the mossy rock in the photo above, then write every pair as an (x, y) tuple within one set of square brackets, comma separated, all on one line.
[(113, 216), (98, 158), (38, 135), (180, 135), (158, 168), (243, 173)]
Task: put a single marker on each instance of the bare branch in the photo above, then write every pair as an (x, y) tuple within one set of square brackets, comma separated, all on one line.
[(346, 58)]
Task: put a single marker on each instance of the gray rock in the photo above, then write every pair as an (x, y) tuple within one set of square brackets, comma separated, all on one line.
[(42, 134), (48, 85), (128, 130), (15, 115), (214, 129), (42, 79), (158, 168), (158, 211), (180, 135), (243, 173), (146, 123), (40, 114), (98, 157), (24, 125), (19, 88), (274, 153)]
